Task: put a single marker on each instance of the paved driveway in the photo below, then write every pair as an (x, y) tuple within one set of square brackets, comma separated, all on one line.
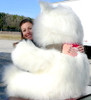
[(6, 45)]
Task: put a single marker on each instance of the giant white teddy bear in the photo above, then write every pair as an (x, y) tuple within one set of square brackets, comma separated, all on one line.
[(46, 73)]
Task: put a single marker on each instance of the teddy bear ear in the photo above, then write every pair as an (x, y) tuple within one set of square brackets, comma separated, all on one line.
[(45, 6)]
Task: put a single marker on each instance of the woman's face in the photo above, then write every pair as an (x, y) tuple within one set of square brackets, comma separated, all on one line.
[(26, 29)]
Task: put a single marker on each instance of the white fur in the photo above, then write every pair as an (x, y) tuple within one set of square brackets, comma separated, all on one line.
[(44, 74), (34, 59), (63, 80), (57, 25)]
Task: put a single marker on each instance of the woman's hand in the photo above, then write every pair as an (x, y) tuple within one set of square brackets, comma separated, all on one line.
[(68, 49), (81, 49)]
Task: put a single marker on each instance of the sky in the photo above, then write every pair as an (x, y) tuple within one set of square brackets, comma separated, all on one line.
[(27, 8)]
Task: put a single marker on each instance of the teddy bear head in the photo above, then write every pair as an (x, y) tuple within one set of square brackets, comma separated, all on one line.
[(57, 24)]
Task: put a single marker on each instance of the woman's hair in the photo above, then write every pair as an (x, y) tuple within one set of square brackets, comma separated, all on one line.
[(22, 22)]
